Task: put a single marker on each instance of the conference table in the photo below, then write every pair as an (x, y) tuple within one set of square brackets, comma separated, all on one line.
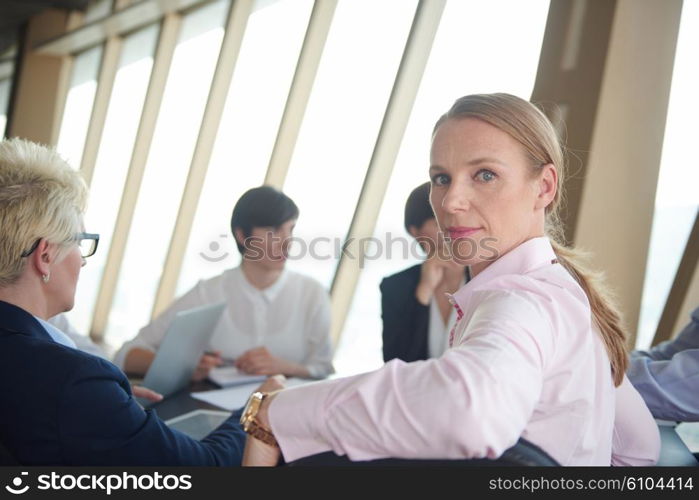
[(182, 402)]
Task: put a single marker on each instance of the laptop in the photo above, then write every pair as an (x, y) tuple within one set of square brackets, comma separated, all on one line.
[(180, 351)]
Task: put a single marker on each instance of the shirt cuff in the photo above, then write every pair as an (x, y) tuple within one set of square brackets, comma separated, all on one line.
[(297, 419)]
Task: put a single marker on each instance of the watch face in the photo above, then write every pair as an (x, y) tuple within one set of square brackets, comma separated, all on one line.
[(251, 408)]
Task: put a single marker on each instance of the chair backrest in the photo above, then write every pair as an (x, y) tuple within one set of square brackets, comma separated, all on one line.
[(527, 454), (6, 458), (523, 453)]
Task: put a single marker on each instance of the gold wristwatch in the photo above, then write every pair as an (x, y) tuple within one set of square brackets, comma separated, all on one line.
[(250, 423)]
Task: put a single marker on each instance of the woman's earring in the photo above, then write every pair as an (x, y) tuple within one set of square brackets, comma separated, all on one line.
[(46, 277)]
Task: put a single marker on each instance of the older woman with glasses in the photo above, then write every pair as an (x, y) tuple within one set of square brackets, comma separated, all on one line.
[(61, 405)]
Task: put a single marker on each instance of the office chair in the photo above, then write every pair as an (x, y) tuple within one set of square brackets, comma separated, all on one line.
[(523, 453)]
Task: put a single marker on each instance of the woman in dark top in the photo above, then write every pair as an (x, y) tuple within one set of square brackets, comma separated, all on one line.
[(416, 313)]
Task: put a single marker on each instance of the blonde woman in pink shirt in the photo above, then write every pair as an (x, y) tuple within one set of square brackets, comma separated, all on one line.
[(538, 351)]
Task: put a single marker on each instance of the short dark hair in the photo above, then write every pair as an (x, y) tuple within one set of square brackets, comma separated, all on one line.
[(418, 208), (262, 206)]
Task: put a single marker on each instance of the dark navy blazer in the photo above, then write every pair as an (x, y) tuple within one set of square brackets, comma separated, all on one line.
[(405, 321), (61, 406)]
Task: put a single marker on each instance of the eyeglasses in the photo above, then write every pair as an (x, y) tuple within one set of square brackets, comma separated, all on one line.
[(86, 241), (88, 244)]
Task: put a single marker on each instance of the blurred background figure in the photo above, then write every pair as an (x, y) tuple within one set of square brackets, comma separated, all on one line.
[(667, 376), (415, 308), (276, 321)]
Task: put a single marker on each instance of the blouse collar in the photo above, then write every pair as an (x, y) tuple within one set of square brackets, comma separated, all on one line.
[(528, 256), (269, 293)]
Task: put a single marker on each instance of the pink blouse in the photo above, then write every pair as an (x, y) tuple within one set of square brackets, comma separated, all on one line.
[(526, 361)]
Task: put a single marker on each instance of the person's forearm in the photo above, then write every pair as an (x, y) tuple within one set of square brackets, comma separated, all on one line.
[(292, 369), (138, 361), (667, 387)]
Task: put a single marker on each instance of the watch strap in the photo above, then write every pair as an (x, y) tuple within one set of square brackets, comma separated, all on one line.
[(259, 432)]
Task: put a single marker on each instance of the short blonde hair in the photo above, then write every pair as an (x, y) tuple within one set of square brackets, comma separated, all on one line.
[(41, 196)]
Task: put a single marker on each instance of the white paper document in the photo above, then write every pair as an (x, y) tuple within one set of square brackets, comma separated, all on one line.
[(228, 376), (233, 398), (230, 399)]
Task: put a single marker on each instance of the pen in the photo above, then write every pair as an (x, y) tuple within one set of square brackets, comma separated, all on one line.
[(224, 361)]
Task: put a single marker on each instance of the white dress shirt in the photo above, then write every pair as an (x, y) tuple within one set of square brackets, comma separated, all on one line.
[(56, 334), (291, 318)]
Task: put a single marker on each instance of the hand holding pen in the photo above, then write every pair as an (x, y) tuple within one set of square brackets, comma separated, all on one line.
[(208, 361)]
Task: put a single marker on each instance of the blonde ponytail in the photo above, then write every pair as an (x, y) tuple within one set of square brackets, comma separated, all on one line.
[(605, 315)]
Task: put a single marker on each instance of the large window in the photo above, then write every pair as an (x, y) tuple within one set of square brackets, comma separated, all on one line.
[(479, 47), (247, 132), (7, 67), (175, 136), (461, 63), (677, 198), (337, 137), (112, 163), (78, 108), (5, 87), (341, 124), (97, 9)]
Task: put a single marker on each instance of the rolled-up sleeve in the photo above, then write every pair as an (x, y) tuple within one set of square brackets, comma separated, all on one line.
[(474, 401), (669, 388), (667, 376), (687, 339)]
